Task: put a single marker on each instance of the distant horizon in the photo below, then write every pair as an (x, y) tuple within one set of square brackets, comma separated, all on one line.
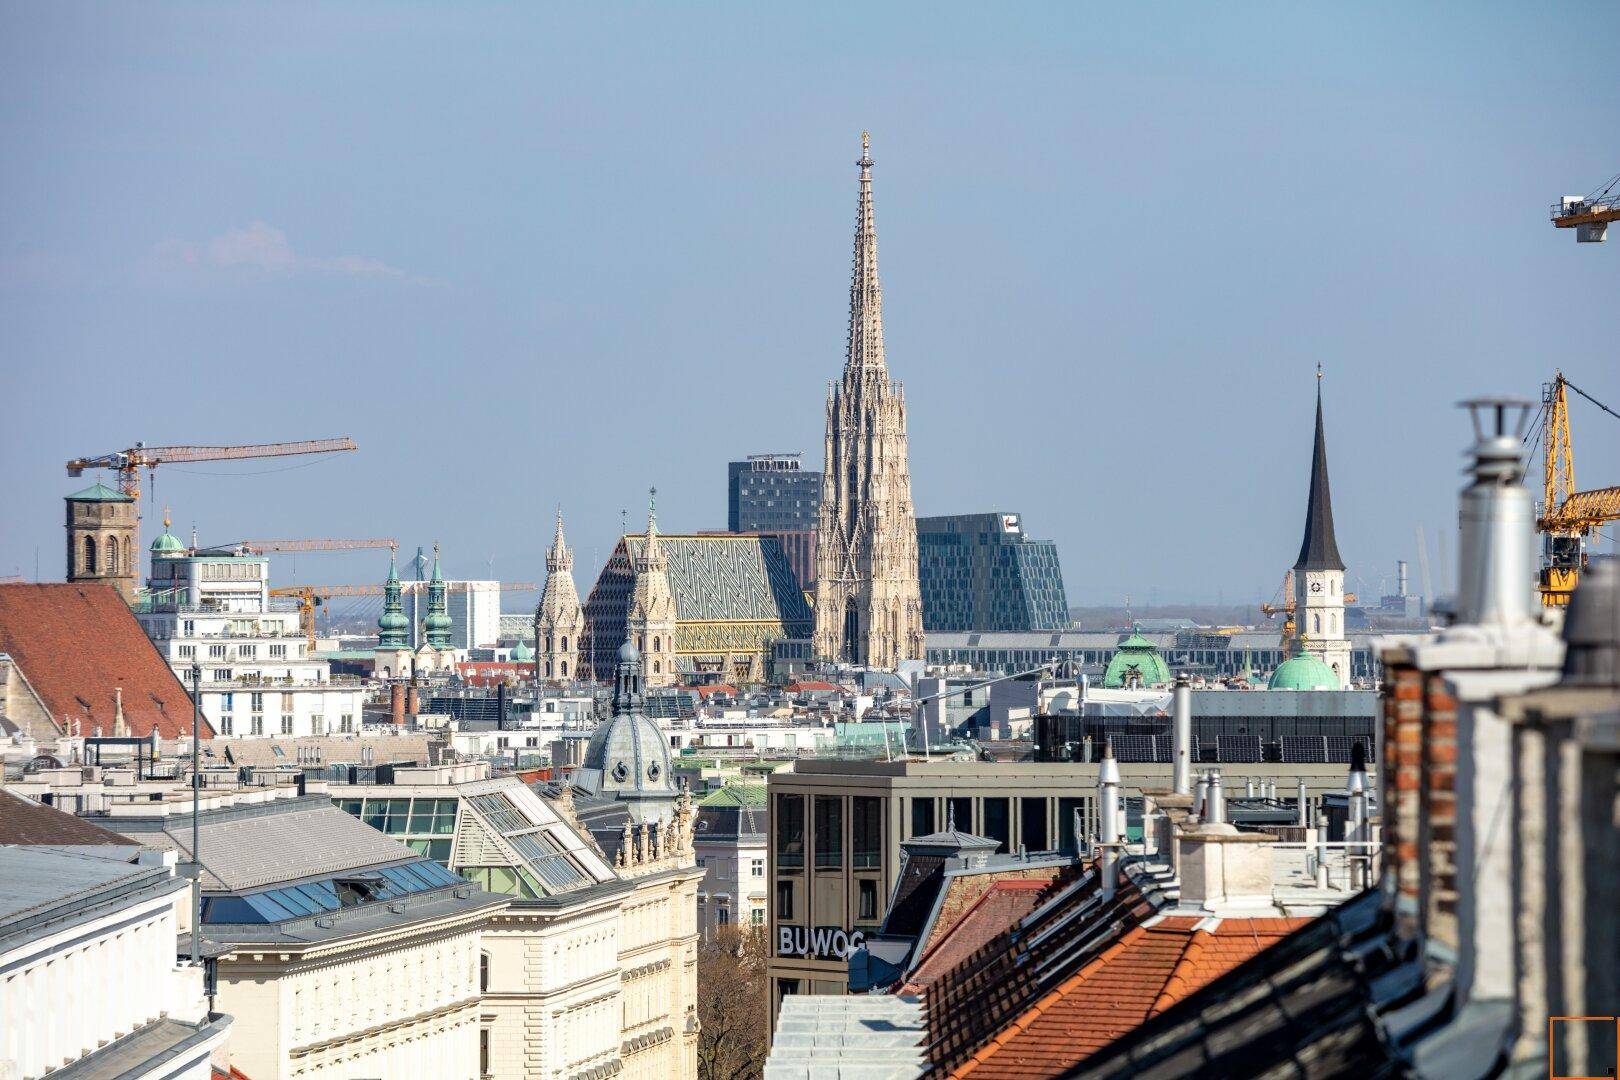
[(534, 257)]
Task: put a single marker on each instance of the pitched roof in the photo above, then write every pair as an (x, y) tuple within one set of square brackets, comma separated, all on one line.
[(1320, 548), (26, 823), (1150, 968), (738, 576), (79, 643), (736, 793), (960, 931), (99, 492)]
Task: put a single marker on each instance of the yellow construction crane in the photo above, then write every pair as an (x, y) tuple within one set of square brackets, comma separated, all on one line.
[(264, 547), (1282, 603), (1567, 516), (1589, 215)]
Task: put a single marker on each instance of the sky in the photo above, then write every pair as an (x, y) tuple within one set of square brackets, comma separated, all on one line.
[(541, 255)]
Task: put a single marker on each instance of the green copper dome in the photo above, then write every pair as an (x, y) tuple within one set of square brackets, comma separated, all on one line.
[(522, 652), (1136, 662), (168, 544), (1303, 673)]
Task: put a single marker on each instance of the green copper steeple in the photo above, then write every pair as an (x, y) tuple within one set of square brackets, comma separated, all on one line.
[(392, 626), (437, 623)]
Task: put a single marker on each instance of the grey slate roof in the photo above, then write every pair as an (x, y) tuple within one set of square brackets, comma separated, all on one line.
[(38, 880), (724, 576), (1319, 550), (244, 847)]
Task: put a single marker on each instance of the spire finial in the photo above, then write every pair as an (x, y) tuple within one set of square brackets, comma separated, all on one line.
[(165, 519), (1319, 371), (866, 148)]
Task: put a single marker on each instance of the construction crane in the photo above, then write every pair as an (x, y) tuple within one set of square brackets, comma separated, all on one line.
[(1567, 516), (1284, 604), (1589, 215), (310, 597), (265, 547)]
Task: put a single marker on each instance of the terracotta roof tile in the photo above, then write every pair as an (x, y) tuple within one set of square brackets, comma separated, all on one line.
[(1153, 966), (77, 644), (27, 823), (994, 910)]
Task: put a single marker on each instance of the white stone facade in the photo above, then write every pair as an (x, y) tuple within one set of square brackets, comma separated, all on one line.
[(559, 620), (1319, 609)]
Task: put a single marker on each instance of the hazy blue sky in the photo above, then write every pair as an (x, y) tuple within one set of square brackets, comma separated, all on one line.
[(530, 254)]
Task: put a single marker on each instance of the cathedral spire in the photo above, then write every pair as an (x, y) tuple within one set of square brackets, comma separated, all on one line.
[(865, 348), (559, 558), (1320, 548)]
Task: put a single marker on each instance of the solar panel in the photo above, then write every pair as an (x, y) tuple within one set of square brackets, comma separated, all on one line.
[(1237, 748), (1135, 748), (1338, 747), (1306, 749)]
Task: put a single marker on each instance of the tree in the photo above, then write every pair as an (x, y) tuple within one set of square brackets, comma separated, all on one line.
[(733, 1005)]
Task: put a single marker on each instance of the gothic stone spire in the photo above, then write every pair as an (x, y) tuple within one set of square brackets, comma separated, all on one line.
[(1320, 548), (865, 347)]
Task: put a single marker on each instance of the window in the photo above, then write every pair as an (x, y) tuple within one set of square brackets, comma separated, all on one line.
[(866, 814), (258, 724), (258, 702), (757, 868), (217, 652), (483, 975), (388, 815), (190, 628), (286, 724), (789, 819), (278, 652), (247, 652), (997, 823), (565, 643), (829, 832), (225, 725), (959, 814), (317, 725), (657, 668), (657, 643), (346, 723), (222, 674), (722, 916), (227, 701), (187, 651), (784, 901), (922, 817), (1032, 823), (89, 554), (1066, 825), (564, 668), (757, 917), (483, 1051), (868, 905)]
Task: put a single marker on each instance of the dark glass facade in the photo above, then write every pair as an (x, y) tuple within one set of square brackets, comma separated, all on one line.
[(771, 493), (980, 572)]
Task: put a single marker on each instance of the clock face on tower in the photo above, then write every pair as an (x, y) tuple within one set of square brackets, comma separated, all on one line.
[(1316, 586)]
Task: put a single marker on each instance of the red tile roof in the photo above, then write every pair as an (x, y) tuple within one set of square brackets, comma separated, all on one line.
[(1151, 967), (77, 644), (994, 910), (809, 685), (714, 688)]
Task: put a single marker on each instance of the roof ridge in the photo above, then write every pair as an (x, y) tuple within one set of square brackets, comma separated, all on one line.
[(1180, 975), (1050, 998)]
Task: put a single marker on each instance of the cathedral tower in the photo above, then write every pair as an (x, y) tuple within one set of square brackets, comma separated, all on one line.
[(868, 606), (651, 621), (558, 620), (1319, 571)]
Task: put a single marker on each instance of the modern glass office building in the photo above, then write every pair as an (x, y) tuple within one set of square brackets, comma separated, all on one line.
[(980, 572), (772, 493)]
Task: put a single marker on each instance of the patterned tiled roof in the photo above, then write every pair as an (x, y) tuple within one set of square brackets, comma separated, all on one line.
[(1150, 968), (724, 577), (78, 644)]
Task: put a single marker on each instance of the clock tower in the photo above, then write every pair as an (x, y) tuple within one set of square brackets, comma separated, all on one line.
[(1319, 571)]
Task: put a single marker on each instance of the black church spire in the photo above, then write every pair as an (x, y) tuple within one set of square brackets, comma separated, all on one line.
[(1320, 548)]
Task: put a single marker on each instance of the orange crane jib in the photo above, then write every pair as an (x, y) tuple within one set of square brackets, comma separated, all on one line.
[(128, 463)]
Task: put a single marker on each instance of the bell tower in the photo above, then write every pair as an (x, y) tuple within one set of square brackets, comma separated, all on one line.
[(1319, 570), (102, 531)]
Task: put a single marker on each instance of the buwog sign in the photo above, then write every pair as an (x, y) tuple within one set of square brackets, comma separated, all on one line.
[(817, 942)]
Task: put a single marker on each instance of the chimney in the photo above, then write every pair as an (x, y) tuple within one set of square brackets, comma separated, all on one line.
[(1222, 868), (120, 727), (413, 700), (1400, 577), (1248, 788), (1497, 646), (1181, 738), (1108, 816), (396, 704), (1304, 818), (1201, 802), (1217, 800)]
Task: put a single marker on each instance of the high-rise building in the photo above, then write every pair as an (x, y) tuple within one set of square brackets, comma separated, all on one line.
[(868, 607), (102, 525), (1319, 571), (981, 572), (559, 620), (772, 493)]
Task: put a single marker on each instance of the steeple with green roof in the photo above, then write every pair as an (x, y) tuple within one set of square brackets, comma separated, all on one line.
[(392, 626), (437, 623), (1136, 663)]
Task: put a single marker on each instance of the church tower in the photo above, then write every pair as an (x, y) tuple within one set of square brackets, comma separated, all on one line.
[(868, 606), (393, 628), (102, 525), (651, 622), (558, 620), (436, 626), (1319, 571)]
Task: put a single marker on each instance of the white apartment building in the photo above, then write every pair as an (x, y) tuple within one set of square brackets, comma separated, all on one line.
[(213, 609), (729, 842), (89, 983)]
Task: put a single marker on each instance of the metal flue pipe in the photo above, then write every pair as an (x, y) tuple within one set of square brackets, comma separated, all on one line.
[(1181, 738)]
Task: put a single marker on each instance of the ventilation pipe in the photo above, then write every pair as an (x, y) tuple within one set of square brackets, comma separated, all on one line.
[(1217, 800), (1181, 738), (1108, 816), (1201, 801), (1356, 829), (1304, 805), (1496, 563), (1248, 788)]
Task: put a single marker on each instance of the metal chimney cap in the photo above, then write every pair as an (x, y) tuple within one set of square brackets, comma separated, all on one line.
[(1592, 628)]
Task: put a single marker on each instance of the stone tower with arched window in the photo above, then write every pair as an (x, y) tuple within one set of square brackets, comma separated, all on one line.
[(103, 530), (651, 620), (559, 620)]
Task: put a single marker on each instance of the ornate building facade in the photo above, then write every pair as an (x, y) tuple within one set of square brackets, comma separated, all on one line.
[(1319, 571), (650, 623), (868, 607), (558, 620)]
